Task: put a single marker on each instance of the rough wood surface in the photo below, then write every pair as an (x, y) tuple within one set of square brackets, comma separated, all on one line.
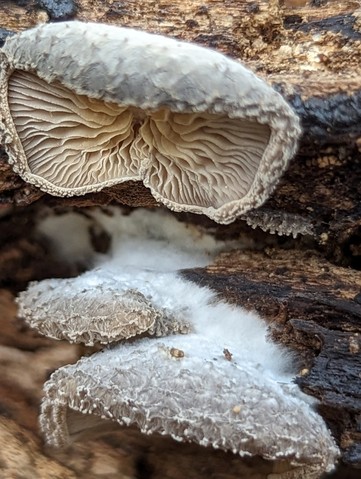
[(315, 308), (310, 51)]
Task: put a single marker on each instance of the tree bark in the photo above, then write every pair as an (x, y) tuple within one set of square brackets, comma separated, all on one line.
[(313, 307), (310, 52)]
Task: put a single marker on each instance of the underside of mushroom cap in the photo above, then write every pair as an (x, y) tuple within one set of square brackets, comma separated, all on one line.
[(201, 131), (183, 386)]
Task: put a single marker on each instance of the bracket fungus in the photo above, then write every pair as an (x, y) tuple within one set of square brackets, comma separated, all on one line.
[(123, 295), (85, 106), (220, 383), (198, 397)]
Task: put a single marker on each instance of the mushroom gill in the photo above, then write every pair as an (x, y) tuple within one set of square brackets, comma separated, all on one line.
[(202, 132), (215, 156), (72, 141)]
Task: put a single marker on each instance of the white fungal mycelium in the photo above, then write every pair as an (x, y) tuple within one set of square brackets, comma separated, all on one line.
[(84, 106), (217, 380), (123, 295)]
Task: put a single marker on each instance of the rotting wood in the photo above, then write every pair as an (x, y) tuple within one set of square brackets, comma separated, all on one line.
[(313, 307), (310, 51)]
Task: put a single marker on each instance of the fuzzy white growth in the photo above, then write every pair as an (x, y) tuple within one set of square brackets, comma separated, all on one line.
[(69, 234), (223, 383), (148, 250), (155, 240)]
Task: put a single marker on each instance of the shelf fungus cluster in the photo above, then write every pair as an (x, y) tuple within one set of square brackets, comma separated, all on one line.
[(86, 106), (197, 368)]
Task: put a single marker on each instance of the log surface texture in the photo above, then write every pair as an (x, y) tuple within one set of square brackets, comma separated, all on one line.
[(309, 289)]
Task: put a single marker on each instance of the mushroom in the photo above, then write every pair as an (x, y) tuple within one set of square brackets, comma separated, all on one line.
[(93, 309), (197, 396), (85, 106), (214, 377), (134, 289)]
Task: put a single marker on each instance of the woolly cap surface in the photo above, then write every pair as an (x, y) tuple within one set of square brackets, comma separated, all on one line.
[(185, 387)]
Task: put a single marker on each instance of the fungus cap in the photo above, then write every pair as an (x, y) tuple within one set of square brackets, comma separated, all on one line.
[(86, 106), (97, 313), (183, 386), (97, 307), (224, 384)]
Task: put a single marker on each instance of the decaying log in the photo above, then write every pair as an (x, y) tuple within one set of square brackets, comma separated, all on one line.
[(310, 51), (314, 307)]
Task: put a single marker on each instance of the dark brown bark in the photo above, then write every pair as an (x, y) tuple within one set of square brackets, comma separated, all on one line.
[(309, 51), (313, 307)]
